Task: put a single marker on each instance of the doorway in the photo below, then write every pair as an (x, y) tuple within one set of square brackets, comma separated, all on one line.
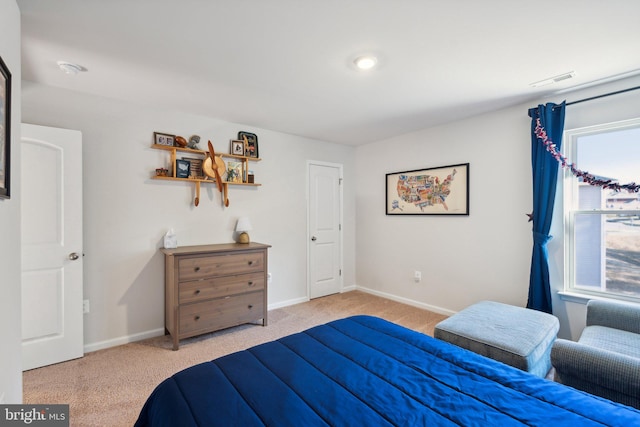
[(325, 229), (52, 323)]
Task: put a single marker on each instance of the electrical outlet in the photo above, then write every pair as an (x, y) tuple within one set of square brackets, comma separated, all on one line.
[(268, 277), (417, 276), (86, 308)]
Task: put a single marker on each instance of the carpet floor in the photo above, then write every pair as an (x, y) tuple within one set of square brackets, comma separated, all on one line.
[(108, 387)]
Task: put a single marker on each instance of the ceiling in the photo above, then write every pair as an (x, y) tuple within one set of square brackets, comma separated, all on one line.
[(287, 65)]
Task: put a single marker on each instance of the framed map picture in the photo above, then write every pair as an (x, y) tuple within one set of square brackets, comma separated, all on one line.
[(436, 191), (5, 131)]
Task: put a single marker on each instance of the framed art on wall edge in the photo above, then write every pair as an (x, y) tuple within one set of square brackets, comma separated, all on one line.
[(442, 190), (5, 131)]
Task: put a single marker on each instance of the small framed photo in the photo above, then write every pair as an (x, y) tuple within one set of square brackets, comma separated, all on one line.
[(164, 139), (234, 172), (237, 147), (183, 168), (251, 143)]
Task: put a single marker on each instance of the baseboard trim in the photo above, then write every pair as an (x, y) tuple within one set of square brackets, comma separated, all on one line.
[(407, 301), (101, 345), (287, 303)]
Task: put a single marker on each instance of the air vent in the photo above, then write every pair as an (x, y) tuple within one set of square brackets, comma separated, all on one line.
[(555, 79)]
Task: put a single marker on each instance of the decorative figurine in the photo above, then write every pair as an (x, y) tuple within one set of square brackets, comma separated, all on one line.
[(193, 142)]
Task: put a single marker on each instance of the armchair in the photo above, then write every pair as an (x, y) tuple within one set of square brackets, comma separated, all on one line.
[(606, 359)]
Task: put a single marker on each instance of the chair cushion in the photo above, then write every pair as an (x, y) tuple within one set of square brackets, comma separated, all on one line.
[(513, 335), (610, 339)]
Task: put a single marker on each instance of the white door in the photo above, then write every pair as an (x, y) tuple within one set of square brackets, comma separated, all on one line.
[(325, 234), (51, 245)]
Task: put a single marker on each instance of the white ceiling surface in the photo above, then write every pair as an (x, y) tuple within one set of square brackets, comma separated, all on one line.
[(286, 65)]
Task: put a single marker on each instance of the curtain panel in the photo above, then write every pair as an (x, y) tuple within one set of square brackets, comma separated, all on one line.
[(545, 178)]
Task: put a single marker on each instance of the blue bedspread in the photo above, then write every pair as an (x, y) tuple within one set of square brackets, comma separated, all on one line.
[(365, 371)]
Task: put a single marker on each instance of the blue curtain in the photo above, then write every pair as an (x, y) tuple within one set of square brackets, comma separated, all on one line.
[(545, 176)]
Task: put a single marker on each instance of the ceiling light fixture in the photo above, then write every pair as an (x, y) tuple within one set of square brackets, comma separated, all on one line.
[(70, 68), (366, 62), (552, 80)]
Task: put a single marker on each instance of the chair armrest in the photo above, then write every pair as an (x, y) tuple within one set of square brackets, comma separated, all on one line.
[(607, 369), (614, 315)]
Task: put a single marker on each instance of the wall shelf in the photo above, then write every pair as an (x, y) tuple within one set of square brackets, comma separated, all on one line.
[(197, 181)]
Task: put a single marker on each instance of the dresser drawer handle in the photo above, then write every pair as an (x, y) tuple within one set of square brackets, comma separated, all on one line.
[(197, 269), (250, 262), (197, 291), (250, 283), (196, 318), (250, 306)]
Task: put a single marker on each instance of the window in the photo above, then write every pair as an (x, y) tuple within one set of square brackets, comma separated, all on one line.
[(602, 226)]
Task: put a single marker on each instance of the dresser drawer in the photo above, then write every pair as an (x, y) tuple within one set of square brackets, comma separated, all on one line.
[(200, 290), (220, 265), (221, 313)]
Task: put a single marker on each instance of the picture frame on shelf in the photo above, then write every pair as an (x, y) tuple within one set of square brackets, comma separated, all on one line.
[(195, 167), (441, 190), (165, 139), (5, 131), (234, 172), (251, 143), (183, 168), (237, 147)]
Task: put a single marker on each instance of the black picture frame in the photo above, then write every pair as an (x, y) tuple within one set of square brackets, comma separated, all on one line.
[(251, 147), (183, 168), (5, 131), (164, 139), (237, 148), (442, 190)]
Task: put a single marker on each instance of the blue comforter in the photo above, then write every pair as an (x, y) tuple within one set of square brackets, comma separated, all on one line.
[(365, 371)]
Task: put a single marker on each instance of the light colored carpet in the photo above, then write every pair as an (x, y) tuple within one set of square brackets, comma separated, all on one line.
[(109, 387)]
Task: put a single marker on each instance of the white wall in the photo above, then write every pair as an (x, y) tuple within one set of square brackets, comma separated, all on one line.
[(126, 213), (486, 255), (463, 259), (10, 319)]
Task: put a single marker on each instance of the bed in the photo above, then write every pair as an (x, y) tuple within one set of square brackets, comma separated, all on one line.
[(366, 371)]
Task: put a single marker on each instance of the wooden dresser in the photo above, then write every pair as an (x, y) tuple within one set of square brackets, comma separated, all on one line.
[(212, 287)]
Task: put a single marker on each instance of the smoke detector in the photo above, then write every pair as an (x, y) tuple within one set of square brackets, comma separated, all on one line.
[(71, 68)]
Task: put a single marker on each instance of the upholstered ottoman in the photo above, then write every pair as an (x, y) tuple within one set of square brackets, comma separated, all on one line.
[(516, 336)]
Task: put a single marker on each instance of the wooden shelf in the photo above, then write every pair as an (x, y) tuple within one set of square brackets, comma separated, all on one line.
[(208, 181), (225, 184), (204, 153)]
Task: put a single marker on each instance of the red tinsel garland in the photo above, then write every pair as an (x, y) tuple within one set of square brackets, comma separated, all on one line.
[(541, 134)]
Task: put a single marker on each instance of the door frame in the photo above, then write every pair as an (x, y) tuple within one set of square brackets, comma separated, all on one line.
[(340, 168)]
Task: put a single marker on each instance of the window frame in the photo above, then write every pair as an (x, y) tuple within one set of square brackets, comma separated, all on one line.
[(570, 189)]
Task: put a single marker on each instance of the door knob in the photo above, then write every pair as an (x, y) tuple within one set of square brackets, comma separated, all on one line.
[(313, 239), (73, 256)]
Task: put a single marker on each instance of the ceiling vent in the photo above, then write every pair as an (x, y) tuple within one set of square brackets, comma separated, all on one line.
[(555, 79)]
